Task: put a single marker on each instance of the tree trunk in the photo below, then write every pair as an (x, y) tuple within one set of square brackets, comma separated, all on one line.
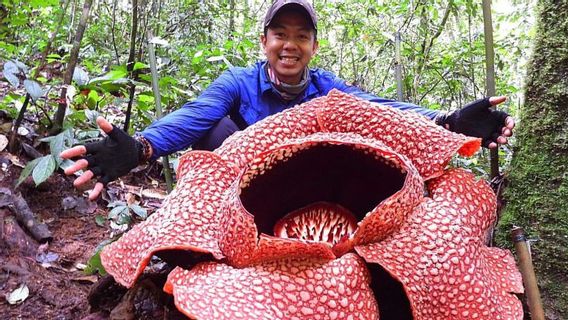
[(73, 58), (537, 196)]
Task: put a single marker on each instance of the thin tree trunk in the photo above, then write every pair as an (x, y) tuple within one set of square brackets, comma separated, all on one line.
[(490, 74), (131, 61), (73, 57)]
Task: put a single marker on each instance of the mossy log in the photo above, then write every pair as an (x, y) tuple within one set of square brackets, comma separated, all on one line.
[(537, 195)]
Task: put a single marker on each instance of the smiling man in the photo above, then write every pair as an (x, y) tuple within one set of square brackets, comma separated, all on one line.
[(243, 96)]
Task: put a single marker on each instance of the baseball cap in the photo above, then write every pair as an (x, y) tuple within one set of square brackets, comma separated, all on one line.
[(279, 4)]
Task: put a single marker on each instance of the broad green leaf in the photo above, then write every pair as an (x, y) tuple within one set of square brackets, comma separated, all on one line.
[(116, 204), (93, 99), (80, 76), (44, 168), (34, 89), (140, 65), (117, 212), (145, 98), (95, 265), (123, 219), (21, 66), (139, 211), (112, 75), (92, 116), (59, 143), (10, 67), (13, 79), (10, 73), (27, 171)]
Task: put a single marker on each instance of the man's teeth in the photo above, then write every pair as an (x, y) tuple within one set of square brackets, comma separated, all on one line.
[(289, 59)]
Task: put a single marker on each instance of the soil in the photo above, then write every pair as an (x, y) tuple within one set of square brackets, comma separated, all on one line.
[(57, 289)]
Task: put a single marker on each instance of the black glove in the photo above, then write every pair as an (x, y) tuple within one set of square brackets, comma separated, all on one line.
[(113, 156), (476, 119)]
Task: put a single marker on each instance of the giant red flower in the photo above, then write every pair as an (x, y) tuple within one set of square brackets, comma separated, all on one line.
[(299, 210)]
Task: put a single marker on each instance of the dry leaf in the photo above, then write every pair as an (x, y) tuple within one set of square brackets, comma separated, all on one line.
[(19, 295), (3, 142)]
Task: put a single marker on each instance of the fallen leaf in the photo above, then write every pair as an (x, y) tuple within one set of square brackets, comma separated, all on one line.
[(3, 142), (91, 279), (154, 194), (19, 295), (69, 202), (23, 131), (16, 161), (47, 258)]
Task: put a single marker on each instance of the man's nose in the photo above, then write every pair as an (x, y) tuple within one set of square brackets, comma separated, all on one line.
[(290, 44)]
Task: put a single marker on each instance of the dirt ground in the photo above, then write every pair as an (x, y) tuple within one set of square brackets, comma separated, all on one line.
[(58, 287)]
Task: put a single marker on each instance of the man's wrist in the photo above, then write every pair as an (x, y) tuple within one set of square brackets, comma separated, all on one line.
[(145, 148)]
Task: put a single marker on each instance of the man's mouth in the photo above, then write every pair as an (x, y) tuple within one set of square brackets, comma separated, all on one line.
[(289, 59)]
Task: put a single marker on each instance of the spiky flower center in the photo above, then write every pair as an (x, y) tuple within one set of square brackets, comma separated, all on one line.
[(320, 221)]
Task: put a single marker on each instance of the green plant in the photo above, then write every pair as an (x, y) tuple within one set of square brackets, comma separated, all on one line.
[(42, 168), (121, 213)]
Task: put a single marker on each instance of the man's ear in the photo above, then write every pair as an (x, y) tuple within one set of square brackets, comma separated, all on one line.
[(316, 47), (263, 41)]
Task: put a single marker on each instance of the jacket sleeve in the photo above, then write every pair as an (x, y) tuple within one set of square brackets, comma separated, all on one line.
[(185, 126), (340, 84)]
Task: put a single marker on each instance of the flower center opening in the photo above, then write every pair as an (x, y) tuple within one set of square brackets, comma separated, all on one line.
[(318, 191)]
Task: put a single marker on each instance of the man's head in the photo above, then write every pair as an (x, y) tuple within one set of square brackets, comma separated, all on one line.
[(289, 39)]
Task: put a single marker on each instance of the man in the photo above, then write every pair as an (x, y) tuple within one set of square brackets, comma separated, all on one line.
[(242, 96)]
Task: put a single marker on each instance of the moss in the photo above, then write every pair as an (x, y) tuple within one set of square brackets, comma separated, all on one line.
[(537, 194)]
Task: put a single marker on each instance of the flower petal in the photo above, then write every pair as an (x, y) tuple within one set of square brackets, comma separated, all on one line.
[(427, 145), (188, 220), (440, 257), (284, 289), (243, 146)]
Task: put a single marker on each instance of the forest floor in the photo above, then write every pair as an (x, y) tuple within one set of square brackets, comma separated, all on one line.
[(53, 272)]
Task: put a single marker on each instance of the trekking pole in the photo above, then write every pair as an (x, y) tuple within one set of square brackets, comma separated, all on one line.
[(527, 271)]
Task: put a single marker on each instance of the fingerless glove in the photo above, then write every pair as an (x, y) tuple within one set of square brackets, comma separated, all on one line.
[(114, 156), (476, 119)]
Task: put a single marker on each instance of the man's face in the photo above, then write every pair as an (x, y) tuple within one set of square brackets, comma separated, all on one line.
[(289, 45)]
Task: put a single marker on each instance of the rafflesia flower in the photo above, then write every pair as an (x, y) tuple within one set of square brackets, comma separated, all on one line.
[(300, 211)]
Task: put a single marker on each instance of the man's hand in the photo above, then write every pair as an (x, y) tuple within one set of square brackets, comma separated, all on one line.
[(478, 119), (109, 158)]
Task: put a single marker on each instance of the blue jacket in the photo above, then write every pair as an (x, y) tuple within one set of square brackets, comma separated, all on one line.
[(248, 96)]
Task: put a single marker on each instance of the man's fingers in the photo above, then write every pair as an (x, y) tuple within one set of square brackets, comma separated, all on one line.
[(510, 123), (104, 124), (85, 177), (73, 152), (497, 100), (506, 132), (78, 165), (94, 194), (501, 140), (492, 145)]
